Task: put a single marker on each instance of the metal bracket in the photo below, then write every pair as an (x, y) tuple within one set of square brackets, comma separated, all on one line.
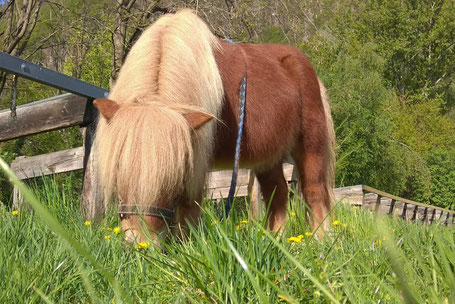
[(19, 67)]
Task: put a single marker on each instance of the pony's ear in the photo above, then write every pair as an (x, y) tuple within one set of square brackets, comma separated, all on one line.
[(197, 119), (107, 107)]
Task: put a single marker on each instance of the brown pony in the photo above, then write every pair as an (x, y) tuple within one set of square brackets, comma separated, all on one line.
[(173, 114)]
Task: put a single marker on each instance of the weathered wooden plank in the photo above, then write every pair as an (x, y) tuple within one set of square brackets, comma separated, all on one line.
[(223, 192), (56, 162), (216, 179), (352, 195), (45, 115)]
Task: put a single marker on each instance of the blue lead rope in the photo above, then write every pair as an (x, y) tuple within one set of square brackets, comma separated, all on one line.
[(242, 99)]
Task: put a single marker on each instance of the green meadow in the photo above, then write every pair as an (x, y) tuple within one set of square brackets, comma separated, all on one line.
[(50, 253)]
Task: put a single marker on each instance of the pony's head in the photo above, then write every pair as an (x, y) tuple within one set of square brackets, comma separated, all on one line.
[(144, 154)]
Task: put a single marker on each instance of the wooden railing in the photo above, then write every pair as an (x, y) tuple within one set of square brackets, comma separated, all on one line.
[(381, 202)]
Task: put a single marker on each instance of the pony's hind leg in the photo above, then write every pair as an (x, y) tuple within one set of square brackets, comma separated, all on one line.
[(275, 191), (312, 171)]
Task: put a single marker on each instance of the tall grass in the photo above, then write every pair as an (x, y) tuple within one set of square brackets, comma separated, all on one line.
[(362, 260)]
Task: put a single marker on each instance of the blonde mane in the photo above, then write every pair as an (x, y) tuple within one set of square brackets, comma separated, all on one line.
[(148, 151)]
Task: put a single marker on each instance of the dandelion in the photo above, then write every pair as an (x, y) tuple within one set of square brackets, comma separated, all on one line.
[(292, 213), (87, 223), (295, 239), (336, 223), (107, 237), (214, 223), (355, 208), (116, 230), (244, 222), (308, 234), (143, 245), (15, 212), (431, 235)]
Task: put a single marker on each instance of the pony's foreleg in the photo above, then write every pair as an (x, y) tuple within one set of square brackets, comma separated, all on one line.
[(275, 192)]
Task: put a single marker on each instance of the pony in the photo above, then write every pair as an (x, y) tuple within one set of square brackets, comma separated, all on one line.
[(173, 114)]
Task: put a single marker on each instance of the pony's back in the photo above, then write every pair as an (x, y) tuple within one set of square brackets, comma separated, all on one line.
[(172, 62)]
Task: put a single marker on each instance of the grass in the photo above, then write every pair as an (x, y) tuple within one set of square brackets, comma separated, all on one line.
[(55, 257)]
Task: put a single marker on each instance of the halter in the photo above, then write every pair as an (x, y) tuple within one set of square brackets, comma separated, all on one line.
[(164, 213), (168, 214)]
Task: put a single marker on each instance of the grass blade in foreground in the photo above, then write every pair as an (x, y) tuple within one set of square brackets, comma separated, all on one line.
[(42, 212)]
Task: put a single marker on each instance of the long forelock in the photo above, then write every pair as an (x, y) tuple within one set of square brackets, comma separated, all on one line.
[(148, 162)]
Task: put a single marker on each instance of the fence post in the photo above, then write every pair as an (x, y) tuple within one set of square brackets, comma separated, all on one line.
[(425, 214), (18, 199), (392, 206), (378, 203), (414, 215), (403, 214), (447, 219), (433, 216)]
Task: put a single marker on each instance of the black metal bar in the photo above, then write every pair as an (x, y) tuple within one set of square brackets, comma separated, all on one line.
[(392, 205), (447, 219), (25, 69)]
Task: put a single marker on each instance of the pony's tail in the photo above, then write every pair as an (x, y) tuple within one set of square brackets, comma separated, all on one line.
[(330, 150)]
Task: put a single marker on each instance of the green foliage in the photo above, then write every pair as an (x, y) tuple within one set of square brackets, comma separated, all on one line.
[(358, 96), (441, 164)]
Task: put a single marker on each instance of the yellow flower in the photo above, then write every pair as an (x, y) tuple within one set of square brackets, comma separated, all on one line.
[(292, 213), (344, 226), (214, 223), (143, 245), (308, 234), (336, 223), (338, 248), (15, 212), (87, 223), (431, 235), (378, 243), (116, 230), (393, 231), (107, 237), (244, 222), (295, 239), (355, 208)]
